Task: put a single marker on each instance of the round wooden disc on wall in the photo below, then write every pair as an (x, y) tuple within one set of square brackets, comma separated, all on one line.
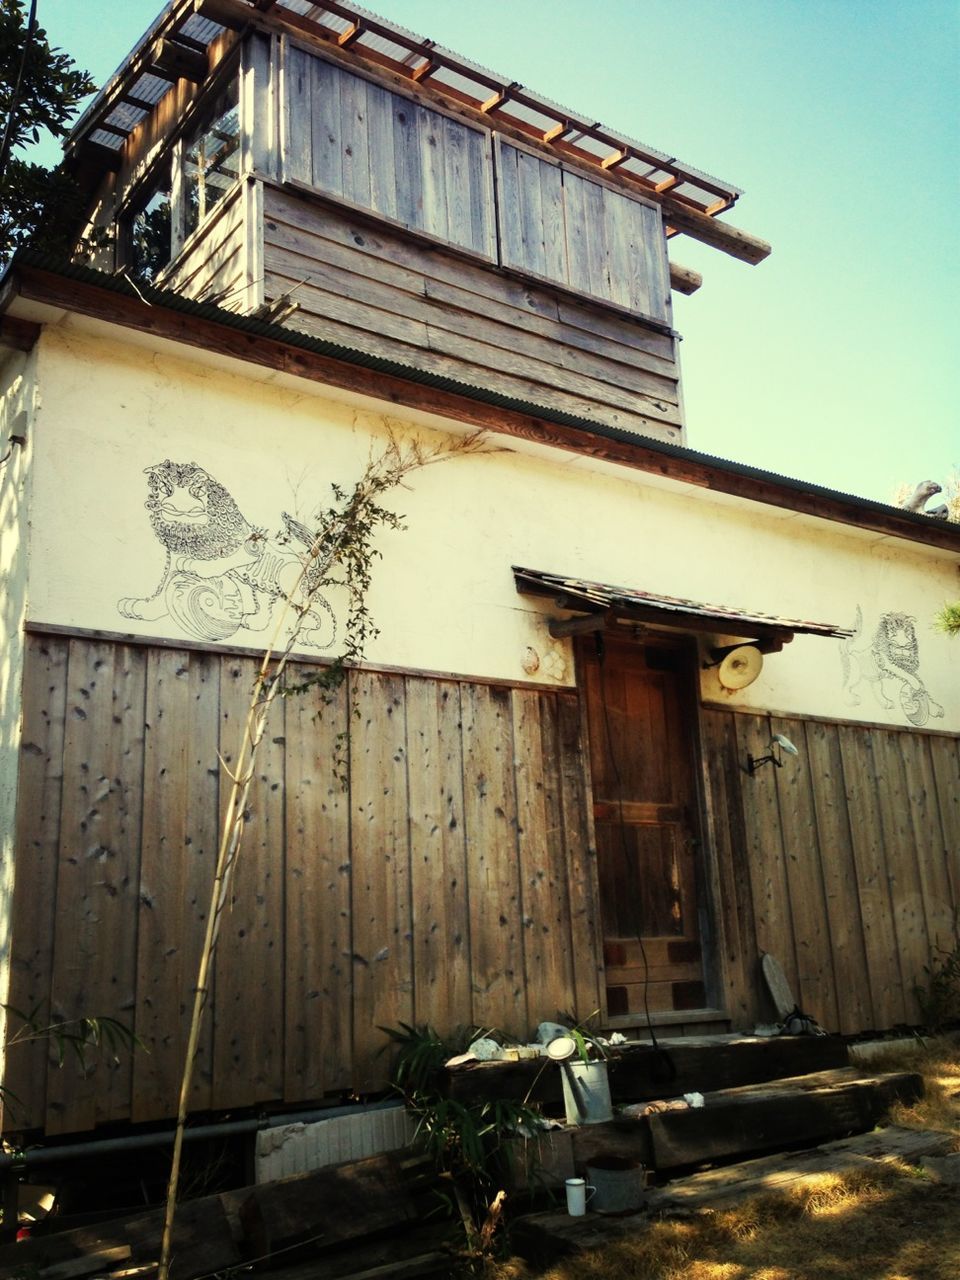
[(740, 667)]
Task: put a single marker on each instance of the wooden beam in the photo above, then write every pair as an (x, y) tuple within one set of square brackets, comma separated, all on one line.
[(36, 284), (347, 37), (556, 132), (684, 279), (614, 159), (560, 628), (21, 335), (175, 62)]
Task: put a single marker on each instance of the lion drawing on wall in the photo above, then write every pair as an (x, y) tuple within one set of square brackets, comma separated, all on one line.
[(892, 654), (221, 573)]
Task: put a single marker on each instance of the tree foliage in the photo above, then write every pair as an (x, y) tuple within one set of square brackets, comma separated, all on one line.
[(40, 90)]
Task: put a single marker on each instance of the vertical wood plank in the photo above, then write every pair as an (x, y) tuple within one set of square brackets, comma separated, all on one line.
[(768, 879), (544, 892), (906, 895), (326, 126), (94, 963), (383, 186), (657, 272), (551, 205), (581, 859), (816, 985), (595, 219), (431, 136), (297, 115), (160, 978), (945, 760), (739, 977), (248, 1008), (35, 872), (508, 205), (575, 233), (850, 966), (531, 213), (441, 931), (620, 220), (499, 998), (457, 176), (861, 771), (483, 234), (180, 833), (356, 148), (318, 1056), (382, 950), (933, 852), (408, 120)]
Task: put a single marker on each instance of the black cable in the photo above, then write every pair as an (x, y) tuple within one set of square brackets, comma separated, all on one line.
[(622, 829)]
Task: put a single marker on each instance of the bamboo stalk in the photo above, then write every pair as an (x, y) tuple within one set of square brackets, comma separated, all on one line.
[(339, 536)]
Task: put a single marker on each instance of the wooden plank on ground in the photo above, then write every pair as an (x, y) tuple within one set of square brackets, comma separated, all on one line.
[(777, 1172), (441, 933), (327, 1207), (35, 871), (783, 1112), (318, 969), (499, 994), (380, 871)]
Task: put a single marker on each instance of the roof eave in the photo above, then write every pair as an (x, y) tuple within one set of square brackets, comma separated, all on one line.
[(114, 300)]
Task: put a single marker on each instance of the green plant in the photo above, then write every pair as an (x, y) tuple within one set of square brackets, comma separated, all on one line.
[(463, 1139), (76, 1037), (939, 994), (948, 619)]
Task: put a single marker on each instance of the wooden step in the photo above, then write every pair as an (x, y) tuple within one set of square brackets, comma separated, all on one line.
[(542, 1238), (641, 1073), (777, 1115), (733, 1123)]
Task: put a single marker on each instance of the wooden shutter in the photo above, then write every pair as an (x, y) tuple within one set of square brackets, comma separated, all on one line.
[(359, 142), (566, 228)]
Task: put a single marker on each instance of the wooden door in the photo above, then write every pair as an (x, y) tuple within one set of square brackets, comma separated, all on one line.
[(639, 697)]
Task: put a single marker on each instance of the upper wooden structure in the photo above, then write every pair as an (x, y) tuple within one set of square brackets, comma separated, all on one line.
[(315, 164)]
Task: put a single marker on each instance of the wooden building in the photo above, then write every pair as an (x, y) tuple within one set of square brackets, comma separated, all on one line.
[(317, 232)]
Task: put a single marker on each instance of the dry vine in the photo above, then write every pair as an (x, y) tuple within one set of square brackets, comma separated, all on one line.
[(341, 553)]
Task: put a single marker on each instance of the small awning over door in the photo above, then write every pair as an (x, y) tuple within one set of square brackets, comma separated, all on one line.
[(579, 595)]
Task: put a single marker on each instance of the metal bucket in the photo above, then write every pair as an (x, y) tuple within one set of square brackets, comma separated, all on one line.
[(586, 1092), (619, 1183)]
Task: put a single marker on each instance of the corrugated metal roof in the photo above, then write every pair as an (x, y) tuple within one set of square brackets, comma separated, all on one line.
[(582, 595)]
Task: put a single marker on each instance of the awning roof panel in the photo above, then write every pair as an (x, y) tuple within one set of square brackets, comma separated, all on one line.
[(580, 595)]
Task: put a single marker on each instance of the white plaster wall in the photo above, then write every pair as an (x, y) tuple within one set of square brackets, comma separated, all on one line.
[(444, 594), (17, 402)]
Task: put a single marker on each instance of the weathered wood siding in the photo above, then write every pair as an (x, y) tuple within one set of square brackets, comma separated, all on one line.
[(214, 266), (353, 139), (375, 289), (561, 226), (844, 864), (451, 881)]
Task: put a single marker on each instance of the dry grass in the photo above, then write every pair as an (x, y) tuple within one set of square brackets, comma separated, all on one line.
[(894, 1223)]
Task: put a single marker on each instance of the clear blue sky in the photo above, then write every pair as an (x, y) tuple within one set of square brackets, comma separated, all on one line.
[(837, 360)]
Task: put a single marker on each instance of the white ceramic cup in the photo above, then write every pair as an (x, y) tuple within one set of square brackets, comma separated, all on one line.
[(577, 1196)]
